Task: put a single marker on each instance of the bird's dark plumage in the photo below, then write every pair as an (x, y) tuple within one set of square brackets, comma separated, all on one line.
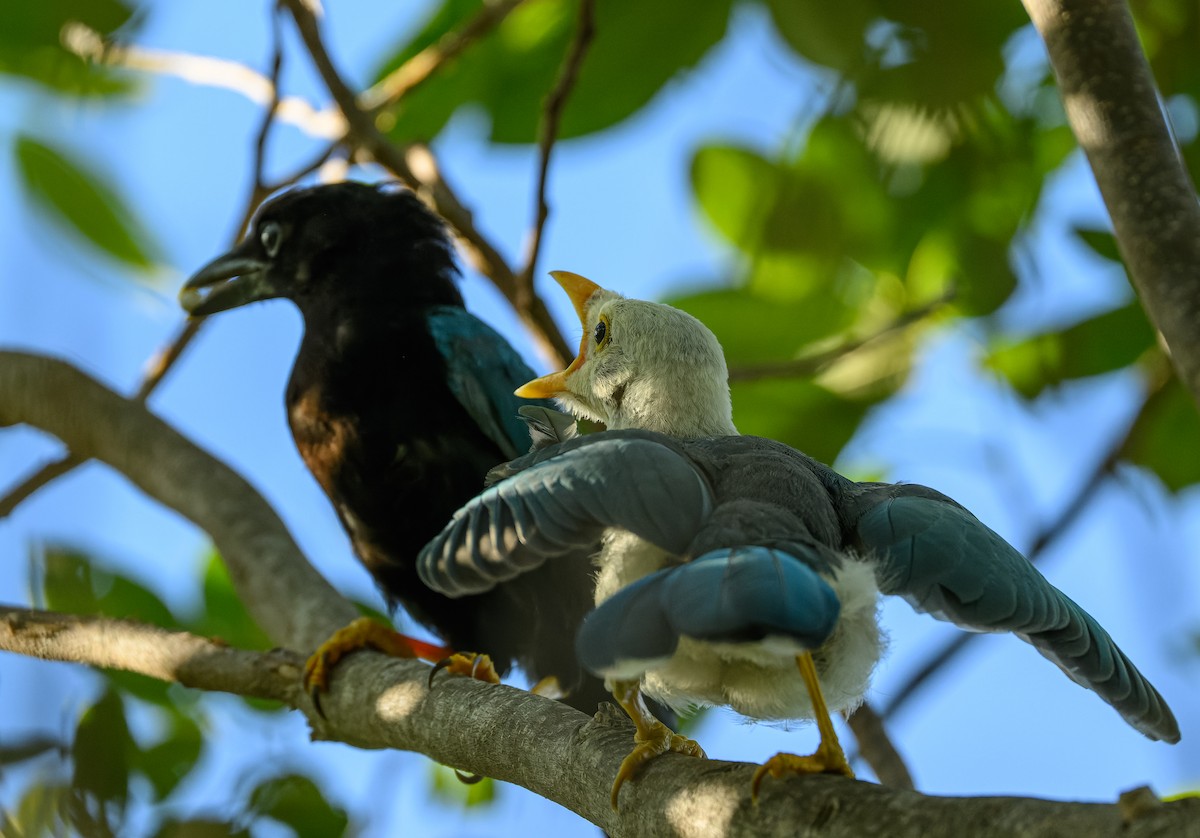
[(399, 402)]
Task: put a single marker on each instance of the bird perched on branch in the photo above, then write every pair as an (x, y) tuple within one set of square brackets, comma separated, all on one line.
[(736, 570), (399, 402)]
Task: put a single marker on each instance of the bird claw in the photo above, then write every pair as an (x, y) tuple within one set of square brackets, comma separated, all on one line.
[(656, 740), (363, 633), (475, 666), (549, 687), (825, 760)]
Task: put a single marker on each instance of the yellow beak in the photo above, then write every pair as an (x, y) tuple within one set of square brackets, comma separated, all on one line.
[(580, 290)]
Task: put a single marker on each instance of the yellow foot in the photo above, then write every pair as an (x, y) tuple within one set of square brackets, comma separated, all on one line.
[(363, 633), (657, 739), (826, 760), (475, 666)]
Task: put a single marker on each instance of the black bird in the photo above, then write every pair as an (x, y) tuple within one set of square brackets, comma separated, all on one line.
[(400, 401)]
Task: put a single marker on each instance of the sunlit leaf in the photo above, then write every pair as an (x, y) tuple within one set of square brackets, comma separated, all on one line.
[(1165, 436), (298, 802), (447, 786), (1101, 344), (80, 202), (101, 750), (39, 812), (31, 43)]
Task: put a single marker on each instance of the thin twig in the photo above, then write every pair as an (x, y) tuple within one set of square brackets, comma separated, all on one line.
[(548, 134), (417, 70), (46, 474), (366, 136), (876, 747), (820, 361), (207, 71)]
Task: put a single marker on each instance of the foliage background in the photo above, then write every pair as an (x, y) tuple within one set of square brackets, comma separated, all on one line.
[(800, 175)]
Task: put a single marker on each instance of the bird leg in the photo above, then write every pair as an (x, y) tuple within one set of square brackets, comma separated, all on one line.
[(651, 739), (827, 759), (471, 664), (363, 633)]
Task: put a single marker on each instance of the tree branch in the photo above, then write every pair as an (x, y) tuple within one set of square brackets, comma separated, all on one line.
[(1113, 107), (417, 168), (264, 562), (561, 754)]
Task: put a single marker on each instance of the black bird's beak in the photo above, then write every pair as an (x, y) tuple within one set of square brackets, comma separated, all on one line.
[(229, 281)]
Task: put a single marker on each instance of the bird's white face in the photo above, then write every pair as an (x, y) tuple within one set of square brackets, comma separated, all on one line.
[(640, 365)]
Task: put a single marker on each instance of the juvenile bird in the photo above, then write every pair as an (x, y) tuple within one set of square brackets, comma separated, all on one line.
[(736, 570), (399, 402)]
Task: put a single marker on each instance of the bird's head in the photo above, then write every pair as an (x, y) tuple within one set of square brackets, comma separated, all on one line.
[(349, 243), (640, 365)]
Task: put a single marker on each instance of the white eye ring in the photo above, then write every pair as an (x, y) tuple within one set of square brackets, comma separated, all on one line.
[(271, 237)]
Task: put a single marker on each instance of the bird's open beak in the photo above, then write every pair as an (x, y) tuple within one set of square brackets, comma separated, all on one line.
[(229, 281), (580, 290)]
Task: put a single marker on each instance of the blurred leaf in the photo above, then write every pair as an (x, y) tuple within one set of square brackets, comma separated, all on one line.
[(1108, 342), (168, 762), (798, 412), (150, 690), (101, 750), (1166, 436), (75, 584), (78, 201), (39, 812), (200, 829), (510, 71), (752, 328), (31, 43), (1102, 243), (447, 786), (298, 802), (225, 616), (832, 34)]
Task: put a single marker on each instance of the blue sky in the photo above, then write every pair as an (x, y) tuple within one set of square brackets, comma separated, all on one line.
[(1000, 721)]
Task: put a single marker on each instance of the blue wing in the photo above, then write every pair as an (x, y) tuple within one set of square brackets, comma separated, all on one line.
[(944, 561), (562, 503), (729, 595), (482, 371)]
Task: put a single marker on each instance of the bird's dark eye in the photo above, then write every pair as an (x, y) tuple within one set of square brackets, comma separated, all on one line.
[(271, 237), (601, 333)]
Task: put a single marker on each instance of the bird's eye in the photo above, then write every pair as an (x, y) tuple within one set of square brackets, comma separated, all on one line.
[(271, 237), (601, 333)]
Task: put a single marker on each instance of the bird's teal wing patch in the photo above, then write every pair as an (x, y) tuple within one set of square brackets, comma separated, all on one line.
[(482, 371), (944, 561), (562, 504), (733, 595)]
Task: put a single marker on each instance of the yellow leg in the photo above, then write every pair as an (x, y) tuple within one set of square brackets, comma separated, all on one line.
[(363, 633), (651, 739), (475, 666), (827, 759)]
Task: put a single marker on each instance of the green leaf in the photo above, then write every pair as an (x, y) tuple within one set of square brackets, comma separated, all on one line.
[(39, 812), (225, 616), (172, 759), (1111, 341), (798, 412), (76, 584), (1102, 242), (101, 751), (511, 70), (80, 202), (31, 36), (448, 787), (1165, 436), (832, 34), (198, 828), (298, 802)]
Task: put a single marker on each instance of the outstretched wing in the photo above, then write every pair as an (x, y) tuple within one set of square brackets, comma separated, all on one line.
[(942, 560), (563, 503), (731, 595), (482, 371)]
